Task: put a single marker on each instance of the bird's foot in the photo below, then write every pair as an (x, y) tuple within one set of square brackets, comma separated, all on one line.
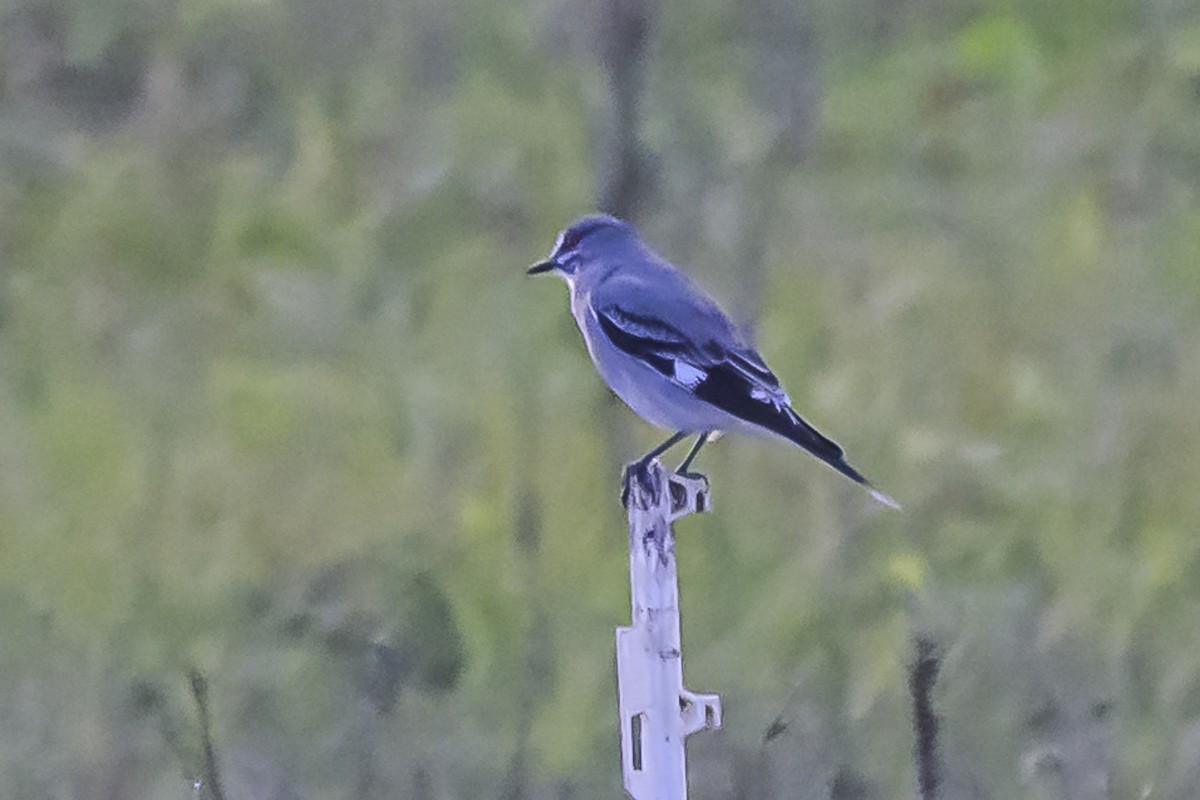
[(639, 472), (693, 476), (688, 491), (687, 499)]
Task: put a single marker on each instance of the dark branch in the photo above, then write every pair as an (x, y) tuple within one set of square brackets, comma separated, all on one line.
[(624, 38), (922, 676), (210, 774)]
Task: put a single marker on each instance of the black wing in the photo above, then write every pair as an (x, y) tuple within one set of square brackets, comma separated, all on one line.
[(647, 339), (735, 380)]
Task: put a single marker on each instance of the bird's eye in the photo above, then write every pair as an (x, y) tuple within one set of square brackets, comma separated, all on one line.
[(570, 239), (565, 247)]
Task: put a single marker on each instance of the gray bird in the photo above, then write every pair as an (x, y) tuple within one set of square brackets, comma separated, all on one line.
[(667, 350)]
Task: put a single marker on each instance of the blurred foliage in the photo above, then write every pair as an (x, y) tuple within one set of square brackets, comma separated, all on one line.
[(276, 402)]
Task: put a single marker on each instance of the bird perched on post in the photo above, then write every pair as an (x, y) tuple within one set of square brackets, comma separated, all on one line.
[(667, 350)]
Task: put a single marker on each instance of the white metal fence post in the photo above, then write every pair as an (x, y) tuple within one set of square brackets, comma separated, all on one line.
[(657, 712)]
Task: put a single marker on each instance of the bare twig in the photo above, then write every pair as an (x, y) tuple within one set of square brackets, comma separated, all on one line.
[(625, 34), (210, 774), (922, 676)]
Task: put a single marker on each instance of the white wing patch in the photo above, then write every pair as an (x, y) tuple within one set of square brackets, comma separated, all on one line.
[(688, 375), (776, 397), (643, 327)]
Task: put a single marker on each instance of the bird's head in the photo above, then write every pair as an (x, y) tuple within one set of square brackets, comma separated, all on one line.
[(584, 243)]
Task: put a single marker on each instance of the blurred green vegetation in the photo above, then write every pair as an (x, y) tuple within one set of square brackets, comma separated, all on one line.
[(277, 403)]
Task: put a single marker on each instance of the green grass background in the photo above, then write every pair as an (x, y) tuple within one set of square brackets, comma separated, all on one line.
[(276, 402)]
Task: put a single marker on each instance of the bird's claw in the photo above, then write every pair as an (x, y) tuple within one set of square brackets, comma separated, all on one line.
[(637, 471), (687, 499), (694, 476)]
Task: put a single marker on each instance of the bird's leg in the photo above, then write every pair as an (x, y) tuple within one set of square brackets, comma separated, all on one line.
[(662, 448), (637, 470), (687, 462)]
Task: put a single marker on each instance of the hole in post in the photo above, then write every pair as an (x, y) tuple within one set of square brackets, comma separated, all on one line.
[(678, 496), (635, 739), (709, 715)]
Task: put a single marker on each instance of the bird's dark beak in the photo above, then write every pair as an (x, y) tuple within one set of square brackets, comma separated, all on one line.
[(542, 266)]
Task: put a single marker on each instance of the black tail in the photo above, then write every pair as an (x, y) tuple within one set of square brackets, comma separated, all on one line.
[(794, 428), (729, 389)]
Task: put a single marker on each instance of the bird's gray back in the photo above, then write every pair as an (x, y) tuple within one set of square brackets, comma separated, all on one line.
[(646, 286)]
